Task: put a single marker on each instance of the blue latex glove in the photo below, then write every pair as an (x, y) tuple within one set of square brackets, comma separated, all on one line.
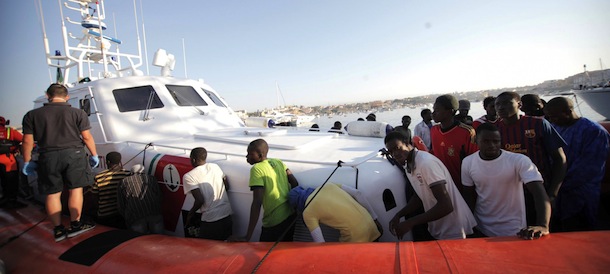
[(94, 161), (29, 168)]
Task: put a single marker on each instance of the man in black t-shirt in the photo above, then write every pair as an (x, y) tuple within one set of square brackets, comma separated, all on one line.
[(61, 132)]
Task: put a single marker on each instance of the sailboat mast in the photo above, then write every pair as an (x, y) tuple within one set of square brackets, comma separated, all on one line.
[(601, 66)]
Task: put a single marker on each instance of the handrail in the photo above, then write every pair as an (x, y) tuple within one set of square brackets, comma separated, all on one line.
[(227, 154), (98, 115)]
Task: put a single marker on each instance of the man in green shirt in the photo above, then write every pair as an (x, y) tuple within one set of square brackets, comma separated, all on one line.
[(270, 182)]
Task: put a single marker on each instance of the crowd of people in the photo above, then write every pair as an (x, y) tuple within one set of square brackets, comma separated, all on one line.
[(501, 174), (558, 156)]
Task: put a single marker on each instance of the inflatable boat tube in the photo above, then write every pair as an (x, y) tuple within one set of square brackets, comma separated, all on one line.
[(368, 128), (259, 122)]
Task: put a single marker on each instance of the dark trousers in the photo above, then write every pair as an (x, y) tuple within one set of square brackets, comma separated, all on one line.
[(272, 234), (10, 183), (217, 230)]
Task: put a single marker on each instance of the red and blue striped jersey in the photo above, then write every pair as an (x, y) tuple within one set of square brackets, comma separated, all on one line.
[(534, 137)]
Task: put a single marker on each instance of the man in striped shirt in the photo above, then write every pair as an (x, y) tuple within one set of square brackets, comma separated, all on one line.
[(139, 201), (105, 186), (536, 138)]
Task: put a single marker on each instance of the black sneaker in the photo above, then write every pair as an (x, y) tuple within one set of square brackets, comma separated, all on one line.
[(60, 233), (79, 227)]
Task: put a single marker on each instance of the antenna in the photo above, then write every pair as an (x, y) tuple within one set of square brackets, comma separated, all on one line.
[(143, 34), (45, 40), (601, 66), (184, 57)]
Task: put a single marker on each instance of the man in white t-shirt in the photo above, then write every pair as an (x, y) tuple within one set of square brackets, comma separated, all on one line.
[(208, 185), (445, 211), (493, 182)]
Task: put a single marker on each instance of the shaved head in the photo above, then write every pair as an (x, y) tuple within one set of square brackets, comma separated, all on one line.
[(561, 103), (560, 111)]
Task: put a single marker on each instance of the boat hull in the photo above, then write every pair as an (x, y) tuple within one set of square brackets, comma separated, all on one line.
[(35, 251), (598, 99)]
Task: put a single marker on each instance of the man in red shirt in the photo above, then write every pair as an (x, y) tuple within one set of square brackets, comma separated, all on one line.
[(9, 170), (452, 140)]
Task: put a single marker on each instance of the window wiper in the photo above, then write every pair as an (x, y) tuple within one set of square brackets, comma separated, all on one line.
[(151, 97), (176, 95)]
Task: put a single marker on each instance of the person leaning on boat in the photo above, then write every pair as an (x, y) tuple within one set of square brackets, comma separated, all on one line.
[(104, 191), (139, 201), (208, 185), (445, 211), (270, 182), (351, 212), (60, 131)]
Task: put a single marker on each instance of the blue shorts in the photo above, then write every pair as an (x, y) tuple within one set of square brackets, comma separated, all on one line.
[(69, 167)]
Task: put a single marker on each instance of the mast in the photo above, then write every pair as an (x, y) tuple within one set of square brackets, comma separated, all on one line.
[(86, 47), (601, 66)]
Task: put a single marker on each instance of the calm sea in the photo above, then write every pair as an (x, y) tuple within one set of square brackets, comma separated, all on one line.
[(394, 117)]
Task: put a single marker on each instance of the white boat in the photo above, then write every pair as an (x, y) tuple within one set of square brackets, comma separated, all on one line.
[(598, 98), (157, 120), (595, 91), (284, 115)]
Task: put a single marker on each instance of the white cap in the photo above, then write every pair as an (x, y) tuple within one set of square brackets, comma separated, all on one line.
[(137, 168)]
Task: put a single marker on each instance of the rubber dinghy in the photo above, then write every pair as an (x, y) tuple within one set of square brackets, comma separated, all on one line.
[(27, 246)]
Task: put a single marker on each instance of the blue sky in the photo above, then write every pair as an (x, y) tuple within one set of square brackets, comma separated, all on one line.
[(329, 52)]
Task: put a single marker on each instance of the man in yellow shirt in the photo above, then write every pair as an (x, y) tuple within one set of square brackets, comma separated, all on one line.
[(340, 207)]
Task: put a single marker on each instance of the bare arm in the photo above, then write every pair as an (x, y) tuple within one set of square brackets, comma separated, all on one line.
[(559, 171), (199, 200), (27, 146), (442, 207), (89, 142), (255, 210), (413, 205), (291, 179), (543, 212)]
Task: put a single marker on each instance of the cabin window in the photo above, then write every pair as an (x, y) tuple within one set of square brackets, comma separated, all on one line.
[(214, 98), (388, 200), (137, 98), (185, 96)]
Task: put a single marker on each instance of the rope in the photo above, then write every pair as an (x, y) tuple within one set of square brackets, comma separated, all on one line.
[(19, 235), (118, 167), (294, 221)]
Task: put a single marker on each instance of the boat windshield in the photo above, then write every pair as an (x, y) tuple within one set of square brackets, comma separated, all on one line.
[(185, 96), (214, 98), (137, 98)]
